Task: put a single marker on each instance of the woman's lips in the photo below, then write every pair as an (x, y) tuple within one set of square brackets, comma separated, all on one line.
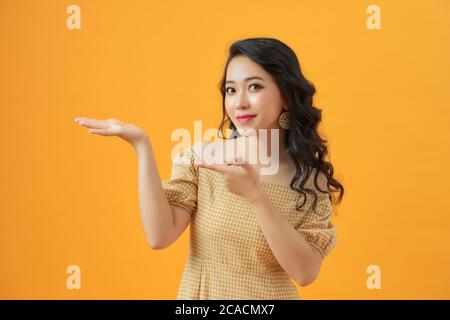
[(245, 119)]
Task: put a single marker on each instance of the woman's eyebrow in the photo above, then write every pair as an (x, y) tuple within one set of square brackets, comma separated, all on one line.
[(246, 79)]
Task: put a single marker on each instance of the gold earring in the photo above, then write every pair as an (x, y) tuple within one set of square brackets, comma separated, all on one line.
[(284, 120)]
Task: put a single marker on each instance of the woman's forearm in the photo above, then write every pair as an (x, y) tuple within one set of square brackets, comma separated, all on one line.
[(295, 255), (156, 212)]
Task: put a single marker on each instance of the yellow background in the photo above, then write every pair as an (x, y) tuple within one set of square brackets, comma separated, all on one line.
[(68, 197)]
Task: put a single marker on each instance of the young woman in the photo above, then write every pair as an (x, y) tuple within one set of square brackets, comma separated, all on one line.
[(249, 233)]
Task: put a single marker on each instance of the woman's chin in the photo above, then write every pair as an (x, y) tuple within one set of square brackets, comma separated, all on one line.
[(247, 130)]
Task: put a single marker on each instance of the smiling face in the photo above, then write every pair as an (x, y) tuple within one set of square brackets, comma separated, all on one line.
[(250, 90)]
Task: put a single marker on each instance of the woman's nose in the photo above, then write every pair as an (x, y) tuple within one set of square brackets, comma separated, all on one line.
[(242, 101)]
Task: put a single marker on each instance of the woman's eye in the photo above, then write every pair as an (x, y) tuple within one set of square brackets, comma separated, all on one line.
[(252, 85), (256, 85), (226, 90)]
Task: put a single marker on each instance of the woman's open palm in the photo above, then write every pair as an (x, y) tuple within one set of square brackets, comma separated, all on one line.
[(113, 127)]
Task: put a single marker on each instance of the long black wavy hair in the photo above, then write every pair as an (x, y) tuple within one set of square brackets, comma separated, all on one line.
[(302, 140)]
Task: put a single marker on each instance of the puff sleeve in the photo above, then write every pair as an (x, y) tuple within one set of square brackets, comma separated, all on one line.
[(317, 226), (181, 188)]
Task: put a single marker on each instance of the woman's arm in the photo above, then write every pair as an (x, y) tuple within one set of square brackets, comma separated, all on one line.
[(297, 257), (163, 223)]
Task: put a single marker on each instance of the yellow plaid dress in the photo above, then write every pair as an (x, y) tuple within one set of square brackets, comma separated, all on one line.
[(229, 257)]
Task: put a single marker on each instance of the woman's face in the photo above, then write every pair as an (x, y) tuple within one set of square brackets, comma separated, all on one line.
[(250, 90)]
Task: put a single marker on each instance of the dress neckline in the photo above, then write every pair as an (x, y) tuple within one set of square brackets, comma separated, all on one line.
[(278, 184)]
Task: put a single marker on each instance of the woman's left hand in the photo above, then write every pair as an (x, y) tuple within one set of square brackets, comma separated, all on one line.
[(240, 178)]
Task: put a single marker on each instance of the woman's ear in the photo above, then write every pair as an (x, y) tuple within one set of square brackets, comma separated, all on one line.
[(285, 104)]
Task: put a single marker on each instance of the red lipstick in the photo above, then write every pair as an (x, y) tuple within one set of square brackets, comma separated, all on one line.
[(244, 118)]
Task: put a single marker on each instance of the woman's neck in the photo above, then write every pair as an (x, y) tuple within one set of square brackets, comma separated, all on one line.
[(283, 157)]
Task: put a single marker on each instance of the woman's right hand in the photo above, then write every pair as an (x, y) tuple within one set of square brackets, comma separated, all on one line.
[(113, 127)]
